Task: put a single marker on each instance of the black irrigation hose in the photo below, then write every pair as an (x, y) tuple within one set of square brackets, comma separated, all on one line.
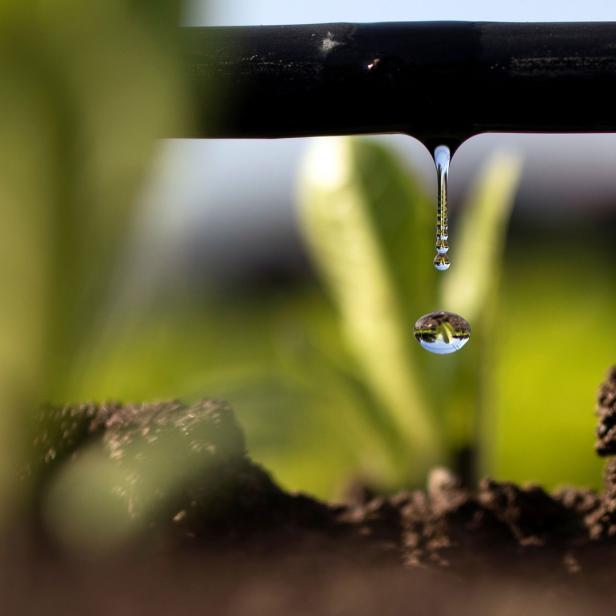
[(441, 82)]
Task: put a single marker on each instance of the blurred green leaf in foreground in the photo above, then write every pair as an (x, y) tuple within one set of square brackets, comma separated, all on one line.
[(86, 90)]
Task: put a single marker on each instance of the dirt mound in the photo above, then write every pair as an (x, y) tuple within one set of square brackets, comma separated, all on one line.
[(440, 548)]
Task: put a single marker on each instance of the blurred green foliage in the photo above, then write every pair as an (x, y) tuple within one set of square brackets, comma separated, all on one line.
[(371, 233), (328, 390), (368, 248), (86, 90), (324, 376)]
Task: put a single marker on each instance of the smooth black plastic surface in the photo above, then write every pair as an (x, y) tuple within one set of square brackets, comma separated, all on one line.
[(441, 82)]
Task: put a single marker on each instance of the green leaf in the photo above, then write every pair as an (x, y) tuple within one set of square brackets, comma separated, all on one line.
[(471, 289), (368, 229), (87, 90)]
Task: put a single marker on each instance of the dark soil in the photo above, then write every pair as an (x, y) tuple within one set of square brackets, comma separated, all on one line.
[(230, 541)]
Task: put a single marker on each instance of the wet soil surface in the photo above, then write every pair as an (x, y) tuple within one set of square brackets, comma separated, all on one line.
[(230, 541)]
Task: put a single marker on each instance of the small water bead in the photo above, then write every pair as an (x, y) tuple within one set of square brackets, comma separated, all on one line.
[(442, 332), (441, 262), (441, 246)]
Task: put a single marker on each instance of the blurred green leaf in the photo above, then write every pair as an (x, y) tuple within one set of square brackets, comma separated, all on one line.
[(25, 183), (370, 231), (366, 236), (471, 289), (87, 88), (480, 241)]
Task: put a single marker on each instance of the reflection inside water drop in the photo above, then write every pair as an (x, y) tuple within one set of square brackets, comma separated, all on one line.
[(442, 332), (441, 262)]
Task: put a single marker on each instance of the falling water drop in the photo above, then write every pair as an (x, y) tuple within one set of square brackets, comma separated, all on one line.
[(442, 332), (442, 157), (441, 262)]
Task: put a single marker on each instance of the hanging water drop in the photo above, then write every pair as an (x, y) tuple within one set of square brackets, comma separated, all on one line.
[(441, 262), (442, 157), (442, 332)]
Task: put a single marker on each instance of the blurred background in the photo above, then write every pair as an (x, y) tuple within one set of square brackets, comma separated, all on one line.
[(215, 285)]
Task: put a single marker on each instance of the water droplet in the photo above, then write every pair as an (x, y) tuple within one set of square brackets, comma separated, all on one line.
[(441, 262), (442, 156), (442, 332), (441, 245)]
